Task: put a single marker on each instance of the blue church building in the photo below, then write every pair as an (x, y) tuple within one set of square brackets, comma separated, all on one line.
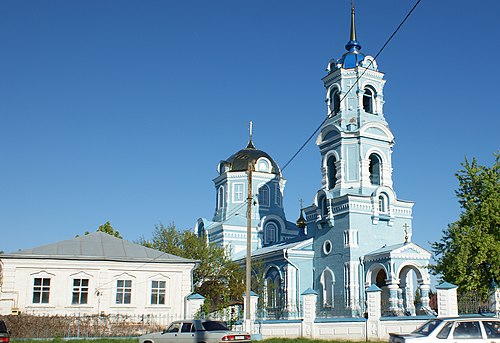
[(356, 232)]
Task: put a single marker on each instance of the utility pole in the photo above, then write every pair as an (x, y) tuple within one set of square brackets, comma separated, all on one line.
[(249, 240)]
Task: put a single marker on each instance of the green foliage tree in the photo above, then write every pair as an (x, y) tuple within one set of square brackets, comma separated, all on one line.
[(468, 254), (107, 228), (217, 278)]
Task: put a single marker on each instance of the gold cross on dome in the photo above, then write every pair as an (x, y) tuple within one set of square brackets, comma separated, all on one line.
[(406, 232)]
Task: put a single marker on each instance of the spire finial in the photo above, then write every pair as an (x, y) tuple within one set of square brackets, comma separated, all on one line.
[(353, 45), (250, 132), (353, 25)]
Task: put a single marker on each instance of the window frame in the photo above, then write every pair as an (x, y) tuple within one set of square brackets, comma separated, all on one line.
[(42, 290), (81, 291), (369, 95), (157, 292), (123, 291), (237, 193), (264, 195), (375, 169)]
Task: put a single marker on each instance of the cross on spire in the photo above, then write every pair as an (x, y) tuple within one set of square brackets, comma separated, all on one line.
[(406, 232), (250, 133)]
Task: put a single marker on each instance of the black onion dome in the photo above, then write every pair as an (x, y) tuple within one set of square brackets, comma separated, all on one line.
[(239, 161)]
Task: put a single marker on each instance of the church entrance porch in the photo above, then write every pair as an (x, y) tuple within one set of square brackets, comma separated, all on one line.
[(401, 273)]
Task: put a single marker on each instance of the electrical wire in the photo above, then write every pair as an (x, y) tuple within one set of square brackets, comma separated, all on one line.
[(352, 86)]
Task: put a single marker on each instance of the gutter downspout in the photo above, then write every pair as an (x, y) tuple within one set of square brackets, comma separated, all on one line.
[(297, 286)]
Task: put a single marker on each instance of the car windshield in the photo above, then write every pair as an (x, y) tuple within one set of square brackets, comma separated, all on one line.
[(3, 328), (214, 326), (428, 327)]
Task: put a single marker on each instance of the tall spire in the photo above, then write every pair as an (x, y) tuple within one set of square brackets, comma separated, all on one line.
[(353, 25), (250, 142), (353, 44)]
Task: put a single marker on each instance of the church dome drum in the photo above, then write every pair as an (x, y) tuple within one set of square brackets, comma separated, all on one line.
[(263, 162)]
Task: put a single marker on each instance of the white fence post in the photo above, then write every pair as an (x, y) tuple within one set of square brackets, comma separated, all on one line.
[(495, 300), (374, 309), (447, 302), (194, 302), (309, 300)]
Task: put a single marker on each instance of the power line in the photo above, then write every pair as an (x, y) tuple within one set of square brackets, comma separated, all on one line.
[(352, 86)]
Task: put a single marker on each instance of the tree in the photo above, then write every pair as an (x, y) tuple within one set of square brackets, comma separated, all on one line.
[(106, 228), (468, 254), (217, 278)]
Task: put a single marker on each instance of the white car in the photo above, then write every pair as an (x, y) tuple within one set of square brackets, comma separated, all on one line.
[(196, 331), (453, 330)]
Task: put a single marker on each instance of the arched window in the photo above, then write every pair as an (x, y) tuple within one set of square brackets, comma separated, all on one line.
[(328, 283), (222, 168), (382, 203), (273, 289), (201, 230), (331, 171), (335, 101), (220, 197), (375, 168), (322, 202), (264, 195), (270, 233), (263, 165), (368, 100), (278, 196)]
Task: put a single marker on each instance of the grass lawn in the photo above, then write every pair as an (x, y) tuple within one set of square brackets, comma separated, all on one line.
[(134, 340)]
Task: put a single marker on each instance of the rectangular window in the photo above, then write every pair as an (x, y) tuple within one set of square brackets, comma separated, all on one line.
[(238, 192), (123, 291), (41, 290), (80, 291), (158, 291)]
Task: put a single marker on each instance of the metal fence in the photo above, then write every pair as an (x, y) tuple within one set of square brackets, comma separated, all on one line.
[(33, 326), (471, 303)]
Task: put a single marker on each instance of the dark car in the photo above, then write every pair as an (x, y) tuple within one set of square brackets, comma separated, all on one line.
[(4, 333)]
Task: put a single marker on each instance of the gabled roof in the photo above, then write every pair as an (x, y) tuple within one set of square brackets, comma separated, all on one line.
[(406, 250), (98, 246)]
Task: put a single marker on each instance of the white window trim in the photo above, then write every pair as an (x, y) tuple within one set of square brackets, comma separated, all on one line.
[(242, 192)]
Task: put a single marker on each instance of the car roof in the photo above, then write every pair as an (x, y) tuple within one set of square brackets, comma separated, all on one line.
[(469, 317)]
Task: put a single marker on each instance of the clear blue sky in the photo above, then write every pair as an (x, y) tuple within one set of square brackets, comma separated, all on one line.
[(121, 110)]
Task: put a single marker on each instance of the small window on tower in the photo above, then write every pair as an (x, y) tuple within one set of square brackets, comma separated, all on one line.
[(368, 99), (331, 171), (263, 165), (220, 198), (322, 203), (264, 195), (335, 101), (382, 203), (374, 169)]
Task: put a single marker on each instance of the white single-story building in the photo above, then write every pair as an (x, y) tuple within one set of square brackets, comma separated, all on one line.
[(94, 274)]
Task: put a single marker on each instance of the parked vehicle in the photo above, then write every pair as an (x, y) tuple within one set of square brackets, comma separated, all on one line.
[(196, 331), (4, 333), (463, 329)]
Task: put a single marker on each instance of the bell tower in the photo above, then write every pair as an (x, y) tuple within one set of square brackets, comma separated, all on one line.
[(355, 212), (355, 140)]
